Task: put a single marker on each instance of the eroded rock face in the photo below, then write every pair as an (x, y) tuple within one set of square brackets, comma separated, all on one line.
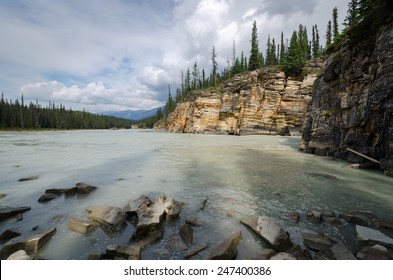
[(352, 103), (264, 101)]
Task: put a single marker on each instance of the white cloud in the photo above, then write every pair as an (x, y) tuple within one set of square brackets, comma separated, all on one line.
[(123, 54)]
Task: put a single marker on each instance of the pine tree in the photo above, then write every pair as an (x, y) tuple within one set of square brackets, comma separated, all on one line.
[(329, 34), (253, 62), (214, 67), (268, 51), (282, 49), (294, 58), (195, 77), (315, 42), (187, 82), (352, 14), (336, 32)]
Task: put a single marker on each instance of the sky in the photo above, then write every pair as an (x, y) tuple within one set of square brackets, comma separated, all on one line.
[(122, 54)]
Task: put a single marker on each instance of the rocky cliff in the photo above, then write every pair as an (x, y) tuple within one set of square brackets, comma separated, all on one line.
[(352, 103), (264, 101)]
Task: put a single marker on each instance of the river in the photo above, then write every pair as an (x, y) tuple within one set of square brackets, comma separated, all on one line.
[(247, 175)]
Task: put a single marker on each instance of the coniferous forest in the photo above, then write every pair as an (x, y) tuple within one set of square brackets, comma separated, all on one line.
[(17, 115)]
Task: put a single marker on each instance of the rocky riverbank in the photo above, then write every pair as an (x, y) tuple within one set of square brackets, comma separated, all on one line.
[(150, 219)]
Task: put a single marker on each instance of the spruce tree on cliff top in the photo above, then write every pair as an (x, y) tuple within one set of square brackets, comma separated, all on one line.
[(254, 62)]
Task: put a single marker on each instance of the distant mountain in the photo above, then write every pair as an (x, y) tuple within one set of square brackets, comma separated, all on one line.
[(132, 115)]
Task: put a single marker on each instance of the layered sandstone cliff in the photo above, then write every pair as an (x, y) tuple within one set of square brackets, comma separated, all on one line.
[(264, 101), (352, 104)]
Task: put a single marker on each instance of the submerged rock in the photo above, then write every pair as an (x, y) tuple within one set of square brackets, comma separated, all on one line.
[(195, 249), (47, 197), (2, 195), (283, 256), (110, 217), (314, 216), (270, 230), (123, 252), (362, 218), (31, 178), (192, 221), (227, 250), (7, 212), (186, 234)]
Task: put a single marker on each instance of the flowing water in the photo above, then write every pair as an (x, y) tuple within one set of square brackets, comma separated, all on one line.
[(248, 175)]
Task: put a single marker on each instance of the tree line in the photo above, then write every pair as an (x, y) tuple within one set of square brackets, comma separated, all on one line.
[(17, 115)]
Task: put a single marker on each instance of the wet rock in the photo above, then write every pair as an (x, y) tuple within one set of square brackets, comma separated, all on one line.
[(192, 221), (19, 255), (2, 195), (110, 217), (362, 218), (314, 216), (367, 236), (83, 188), (283, 256), (202, 204), (31, 178), (174, 211), (8, 234), (133, 206), (150, 218), (186, 233), (176, 244), (383, 224), (30, 243), (227, 250), (47, 197), (195, 249), (270, 230), (341, 252), (376, 252), (95, 257), (292, 216), (7, 212), (330, 218), (123, 252), (152, 237), (82, 226), (317, 242)]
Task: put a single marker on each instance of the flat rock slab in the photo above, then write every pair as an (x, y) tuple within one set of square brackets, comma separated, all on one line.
[(186, 233), (110, 217), (367, 236), (6, 211), (227, 250), (317, 242), (270, 230), (83, 188), (47, 197), (341, 252), (30, 243), (82, 226)]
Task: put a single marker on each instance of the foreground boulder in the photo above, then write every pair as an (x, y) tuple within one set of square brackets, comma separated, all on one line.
[(30, 243), (150, 218), (227, 250), (110, 217), (270, 230), (8, 234), (362, 218), (367, 236), (341, 252), (7, 212), (317, 242), (376, 252), (123, 252)]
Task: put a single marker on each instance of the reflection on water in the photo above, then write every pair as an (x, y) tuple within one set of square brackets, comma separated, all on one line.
[(250, 175)]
